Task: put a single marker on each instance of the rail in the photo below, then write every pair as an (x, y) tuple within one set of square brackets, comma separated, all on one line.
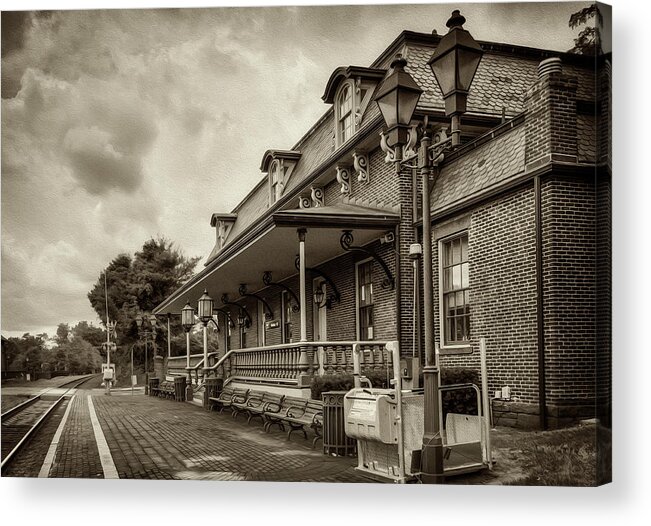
[(27, 436)]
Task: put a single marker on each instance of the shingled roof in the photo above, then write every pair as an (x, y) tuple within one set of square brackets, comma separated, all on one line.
[(502, 79), (491, 163)]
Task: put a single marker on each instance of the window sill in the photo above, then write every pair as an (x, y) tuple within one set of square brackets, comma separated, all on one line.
[(465, 348)]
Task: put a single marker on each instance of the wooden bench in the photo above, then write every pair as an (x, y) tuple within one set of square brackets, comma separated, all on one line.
[(267, 404), (289, 403), (239, 397), (302, 416), (225, 396)]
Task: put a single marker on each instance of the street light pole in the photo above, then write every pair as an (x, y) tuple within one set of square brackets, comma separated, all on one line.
[(432, 452), (453, 63)]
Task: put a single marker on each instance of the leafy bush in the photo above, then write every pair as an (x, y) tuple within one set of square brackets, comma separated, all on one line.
[(344, 382), (462, 401)]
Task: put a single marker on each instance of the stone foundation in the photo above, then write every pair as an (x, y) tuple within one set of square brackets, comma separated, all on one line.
[(527, 416)]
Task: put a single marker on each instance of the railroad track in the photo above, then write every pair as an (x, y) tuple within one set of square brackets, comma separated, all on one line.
[(19, 424)]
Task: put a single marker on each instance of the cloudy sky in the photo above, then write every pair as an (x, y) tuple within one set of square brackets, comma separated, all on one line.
[(120, 125)]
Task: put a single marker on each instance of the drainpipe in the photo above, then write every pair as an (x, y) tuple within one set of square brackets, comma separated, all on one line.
[(398, 286), (540, 315)]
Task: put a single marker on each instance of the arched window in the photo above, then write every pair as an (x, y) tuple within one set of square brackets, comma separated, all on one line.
[(345, 117), (274, 181)]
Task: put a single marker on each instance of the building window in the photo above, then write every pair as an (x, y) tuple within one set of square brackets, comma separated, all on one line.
[(287, 318), (345, 117), (274, 180), (455, 291), (365, 300)]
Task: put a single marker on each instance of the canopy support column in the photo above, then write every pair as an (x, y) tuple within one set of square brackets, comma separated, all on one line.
[(303, 295)]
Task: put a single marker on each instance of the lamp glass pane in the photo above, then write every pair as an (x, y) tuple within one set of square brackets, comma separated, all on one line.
[(468, 63), (388, 107), (444, 71), (205, 307), (187, 316), (407, 102)]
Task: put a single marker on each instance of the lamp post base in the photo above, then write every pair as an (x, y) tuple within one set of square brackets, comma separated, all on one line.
[(432, 452)]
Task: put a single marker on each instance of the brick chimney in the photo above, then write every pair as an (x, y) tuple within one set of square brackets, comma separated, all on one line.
[(550, 119)]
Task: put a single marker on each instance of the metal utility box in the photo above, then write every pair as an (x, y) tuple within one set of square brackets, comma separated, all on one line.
[(372, 418), (371, 415)]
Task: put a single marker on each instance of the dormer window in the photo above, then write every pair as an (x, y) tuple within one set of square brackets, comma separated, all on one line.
[(345, 117), (279, 165), (274, 180), (350, 90)]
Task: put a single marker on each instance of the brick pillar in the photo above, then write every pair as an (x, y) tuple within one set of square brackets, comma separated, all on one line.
[(550, 122)]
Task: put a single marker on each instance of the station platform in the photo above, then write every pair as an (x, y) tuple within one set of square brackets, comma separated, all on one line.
[(133, 436)]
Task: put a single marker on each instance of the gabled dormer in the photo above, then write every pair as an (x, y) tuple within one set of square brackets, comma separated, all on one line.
[(223, 223), (350, 89), (278, 165)]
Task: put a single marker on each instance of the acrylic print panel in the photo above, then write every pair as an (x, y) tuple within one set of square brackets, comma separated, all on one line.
[(463, 250)]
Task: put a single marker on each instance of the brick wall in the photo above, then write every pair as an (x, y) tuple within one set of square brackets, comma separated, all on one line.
[(551, 129), (501, 247), (569, 288)]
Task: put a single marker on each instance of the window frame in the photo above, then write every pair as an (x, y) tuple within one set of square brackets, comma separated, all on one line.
[(340, 140), (456, 345), (358, 306), (274, 168)]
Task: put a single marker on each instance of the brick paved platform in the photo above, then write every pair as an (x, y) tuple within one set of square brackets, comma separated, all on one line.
[(155, 438), (77, 455)]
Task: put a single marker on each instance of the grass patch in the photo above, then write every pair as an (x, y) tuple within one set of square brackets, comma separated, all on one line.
[(577, 456)]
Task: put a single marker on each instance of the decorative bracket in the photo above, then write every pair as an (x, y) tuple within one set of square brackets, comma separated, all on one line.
[(343, 178), (268, 281), (318, 199), (360, 163), (304, 202), (231, 323), (269, 315), (334, 297), (347, 241), (248, 321)]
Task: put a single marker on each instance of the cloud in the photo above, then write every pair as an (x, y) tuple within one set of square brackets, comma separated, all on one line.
[(121, 125)]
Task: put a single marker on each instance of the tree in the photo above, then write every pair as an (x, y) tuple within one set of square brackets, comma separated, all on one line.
[(63, 333), (138, 284), (28, 352), (588, 42), (87, 331)]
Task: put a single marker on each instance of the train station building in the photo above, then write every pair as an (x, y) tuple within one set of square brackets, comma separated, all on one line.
[(318, 257)]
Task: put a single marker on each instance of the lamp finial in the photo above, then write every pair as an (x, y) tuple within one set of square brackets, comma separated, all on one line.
[(456, 20)]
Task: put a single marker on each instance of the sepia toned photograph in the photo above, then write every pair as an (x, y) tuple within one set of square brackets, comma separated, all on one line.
[(335, 244)]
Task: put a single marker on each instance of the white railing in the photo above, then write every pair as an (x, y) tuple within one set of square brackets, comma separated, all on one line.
[(296, 363), (177, 366)]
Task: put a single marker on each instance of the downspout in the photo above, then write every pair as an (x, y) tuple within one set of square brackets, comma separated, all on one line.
[(398, 286), (540, 315)]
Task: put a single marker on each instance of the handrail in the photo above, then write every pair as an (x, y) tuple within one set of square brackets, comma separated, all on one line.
[(196, 366), (221, 360), (315, 344), (184, 357)]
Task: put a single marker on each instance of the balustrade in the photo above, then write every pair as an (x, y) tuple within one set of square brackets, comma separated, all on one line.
[(296, 363)]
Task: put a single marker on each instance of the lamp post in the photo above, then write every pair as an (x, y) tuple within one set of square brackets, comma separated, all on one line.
[(187, 320), (204, 310), (109, 346), (146, 324), (454, 64)]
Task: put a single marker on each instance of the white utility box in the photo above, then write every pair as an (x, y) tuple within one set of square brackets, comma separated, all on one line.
[(371, 417)]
